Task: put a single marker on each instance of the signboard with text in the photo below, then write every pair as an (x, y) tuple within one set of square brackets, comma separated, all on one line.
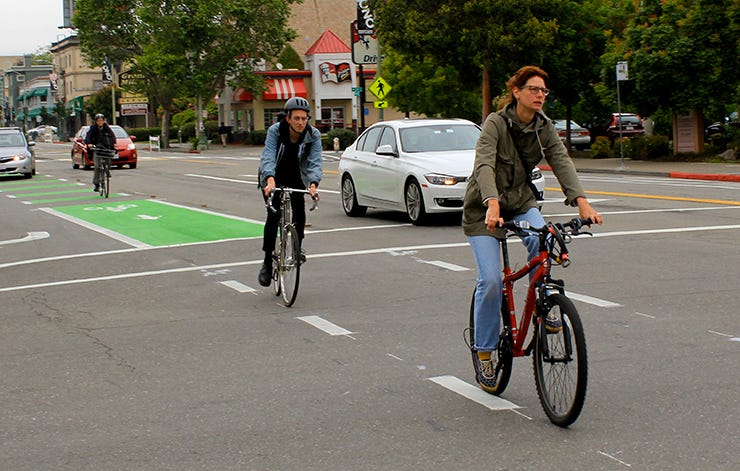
[(365, 47)]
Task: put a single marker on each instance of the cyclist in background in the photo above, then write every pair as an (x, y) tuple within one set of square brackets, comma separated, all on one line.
[(102, 136), (291, 158), (512, 141)]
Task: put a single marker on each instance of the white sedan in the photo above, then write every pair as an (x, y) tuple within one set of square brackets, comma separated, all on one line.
[(417, 166)]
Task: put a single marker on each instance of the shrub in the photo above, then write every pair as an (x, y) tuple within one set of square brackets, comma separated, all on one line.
[(647, 147), (182, 118), (346, 137), (256, 138), (601, 148)]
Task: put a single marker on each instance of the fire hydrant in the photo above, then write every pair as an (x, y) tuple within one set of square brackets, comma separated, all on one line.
[(336, 144)]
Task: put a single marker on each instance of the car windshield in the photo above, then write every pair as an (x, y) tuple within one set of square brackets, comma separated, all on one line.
[(11, 140), (629, 120), (119, 132), (439, 138)]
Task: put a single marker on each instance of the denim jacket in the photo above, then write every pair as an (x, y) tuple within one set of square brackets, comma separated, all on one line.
[(309, 153)]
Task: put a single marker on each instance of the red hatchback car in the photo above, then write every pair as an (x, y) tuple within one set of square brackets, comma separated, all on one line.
[(125, 146)]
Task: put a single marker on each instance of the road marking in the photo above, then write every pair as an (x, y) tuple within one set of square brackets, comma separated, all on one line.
[(615, 459), (473, 393), (645, 315), (663, 197), (246, 182), (445, 265), (93, 227), (259, 261), (729, 337), (30, 237), (326, 326), (590, 300), (241, 288)]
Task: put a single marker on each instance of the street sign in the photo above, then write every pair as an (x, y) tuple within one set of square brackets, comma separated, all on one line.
[(357, 91), (379, 88), (622, 71), (365, 46), (380, 104)]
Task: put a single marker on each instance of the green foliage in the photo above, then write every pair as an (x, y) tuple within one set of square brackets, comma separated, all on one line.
[(601, 148), (100, 102), (648, 147), (290, 59), (346, 137), (256, 138), (142, 134), (182, 118), (191, 48)]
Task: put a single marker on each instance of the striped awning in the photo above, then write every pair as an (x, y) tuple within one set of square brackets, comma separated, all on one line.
[(279, 89)]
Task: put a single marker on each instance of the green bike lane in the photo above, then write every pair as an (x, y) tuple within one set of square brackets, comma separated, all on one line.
[(137, 222)]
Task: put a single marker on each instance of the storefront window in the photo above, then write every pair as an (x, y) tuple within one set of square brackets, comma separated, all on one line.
[(271, 116), (331, 118)]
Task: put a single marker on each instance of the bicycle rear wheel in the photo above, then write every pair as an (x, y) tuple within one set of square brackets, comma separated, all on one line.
[(561, 363), (289, 269), (502, 355)]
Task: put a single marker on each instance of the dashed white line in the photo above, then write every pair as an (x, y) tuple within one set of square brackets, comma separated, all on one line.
[(445, 265), (591, 300), (241, 288), (473, 393), (326, 326)]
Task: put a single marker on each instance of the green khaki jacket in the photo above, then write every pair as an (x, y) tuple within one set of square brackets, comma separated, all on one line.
[(498, 171)]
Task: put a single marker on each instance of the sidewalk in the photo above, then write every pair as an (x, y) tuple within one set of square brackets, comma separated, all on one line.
[(688, 170)]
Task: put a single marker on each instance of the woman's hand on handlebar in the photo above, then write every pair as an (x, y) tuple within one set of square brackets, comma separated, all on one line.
[(493, 215), (269, 186), (586, 211)]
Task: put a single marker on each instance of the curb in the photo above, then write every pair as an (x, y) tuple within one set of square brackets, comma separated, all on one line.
[(706, 176)]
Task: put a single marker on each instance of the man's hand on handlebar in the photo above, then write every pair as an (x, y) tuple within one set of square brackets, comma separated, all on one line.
[(313, 191)]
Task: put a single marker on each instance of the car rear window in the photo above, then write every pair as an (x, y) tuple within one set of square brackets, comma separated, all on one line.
[(629, 120)]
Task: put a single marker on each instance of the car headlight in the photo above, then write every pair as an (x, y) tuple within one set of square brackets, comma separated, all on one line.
[(131, 146), (436, 179)]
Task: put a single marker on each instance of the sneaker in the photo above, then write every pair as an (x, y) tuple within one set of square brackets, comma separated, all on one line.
[(97, 188), (486, 373), (553, 324), (265, 275)]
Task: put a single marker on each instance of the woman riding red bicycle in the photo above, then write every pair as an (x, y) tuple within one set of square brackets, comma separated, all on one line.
[(512, 142)]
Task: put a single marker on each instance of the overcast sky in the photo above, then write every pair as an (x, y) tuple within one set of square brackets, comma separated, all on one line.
[(30, 25)]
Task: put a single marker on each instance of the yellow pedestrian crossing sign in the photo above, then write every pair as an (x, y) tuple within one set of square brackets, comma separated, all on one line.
[(379, 88), (380, 104)]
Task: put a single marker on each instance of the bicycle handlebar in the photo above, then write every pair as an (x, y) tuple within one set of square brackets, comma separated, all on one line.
[(561, 232), (314, 197)]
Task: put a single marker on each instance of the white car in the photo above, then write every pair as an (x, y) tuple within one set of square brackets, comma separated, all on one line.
[(417, 166)]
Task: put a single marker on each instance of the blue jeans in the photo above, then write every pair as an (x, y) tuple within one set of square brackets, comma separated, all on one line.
[(488, 287)]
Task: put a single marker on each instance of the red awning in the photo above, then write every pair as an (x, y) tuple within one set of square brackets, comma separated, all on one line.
[(284, 88), (242, 95)]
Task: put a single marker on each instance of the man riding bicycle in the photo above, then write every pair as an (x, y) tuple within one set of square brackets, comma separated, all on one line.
[(291, 158), (101, 136)]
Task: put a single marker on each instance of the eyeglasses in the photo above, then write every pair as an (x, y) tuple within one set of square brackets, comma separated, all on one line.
[(536, 90), (300, 118)]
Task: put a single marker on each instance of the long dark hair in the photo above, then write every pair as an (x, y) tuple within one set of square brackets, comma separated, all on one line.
[(519, 79)]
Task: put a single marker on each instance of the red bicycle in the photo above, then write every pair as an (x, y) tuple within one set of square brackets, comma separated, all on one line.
[(560, 358)]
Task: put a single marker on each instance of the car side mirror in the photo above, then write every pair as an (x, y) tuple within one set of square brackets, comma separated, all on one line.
[(78, 139), (133, 138), (386, 149), (31, 143)]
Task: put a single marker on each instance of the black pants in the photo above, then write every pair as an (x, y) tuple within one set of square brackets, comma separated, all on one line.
[(298, 204)]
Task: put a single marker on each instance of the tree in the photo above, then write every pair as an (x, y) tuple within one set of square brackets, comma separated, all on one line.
[(683, 55), (183, 47), (478, 44)]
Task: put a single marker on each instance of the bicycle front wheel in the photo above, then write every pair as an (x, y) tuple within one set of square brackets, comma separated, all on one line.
[(289, 269), (106, 180), (502, 355), (561, 363)]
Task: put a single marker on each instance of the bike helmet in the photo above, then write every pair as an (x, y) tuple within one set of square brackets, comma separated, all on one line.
[(297, 103), (99, 115)]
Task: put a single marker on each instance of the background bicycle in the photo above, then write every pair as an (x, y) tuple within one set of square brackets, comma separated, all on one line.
[(287, 257)]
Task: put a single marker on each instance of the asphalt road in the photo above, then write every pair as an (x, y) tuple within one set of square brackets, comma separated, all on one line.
[(138, 349)]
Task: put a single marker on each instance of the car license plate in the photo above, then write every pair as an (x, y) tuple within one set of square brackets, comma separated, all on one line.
[(628, 128)]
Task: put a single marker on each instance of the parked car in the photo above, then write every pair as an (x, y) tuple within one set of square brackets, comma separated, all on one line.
[(580, 138), (126, 149), (418, 166), (41, 131), (16, 153), (631, 125)]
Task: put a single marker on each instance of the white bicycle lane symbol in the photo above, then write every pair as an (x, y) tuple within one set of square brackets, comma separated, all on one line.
[(121, 208)]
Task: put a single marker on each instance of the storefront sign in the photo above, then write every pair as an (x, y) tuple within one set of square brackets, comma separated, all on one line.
[(334, 72), (134, 109)]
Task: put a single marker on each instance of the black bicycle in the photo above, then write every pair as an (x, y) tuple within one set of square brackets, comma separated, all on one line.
[(287, 257), (104, 159)]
